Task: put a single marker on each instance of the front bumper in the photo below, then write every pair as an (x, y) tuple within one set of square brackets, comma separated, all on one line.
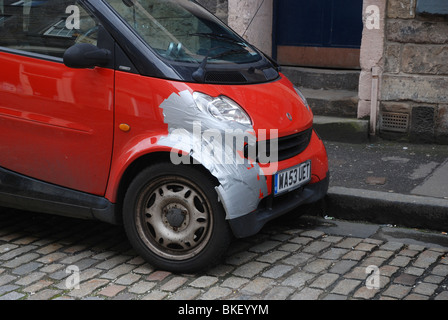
[(271, 208)]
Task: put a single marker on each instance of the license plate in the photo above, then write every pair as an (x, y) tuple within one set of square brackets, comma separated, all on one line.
[(292, 178)]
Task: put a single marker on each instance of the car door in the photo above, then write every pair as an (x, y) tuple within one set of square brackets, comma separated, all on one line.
[(56, 123)]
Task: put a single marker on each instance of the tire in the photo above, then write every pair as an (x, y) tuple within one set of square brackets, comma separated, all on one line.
[(174, 220)]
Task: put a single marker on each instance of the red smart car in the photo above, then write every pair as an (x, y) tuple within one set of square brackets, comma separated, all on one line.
[(155, 115)]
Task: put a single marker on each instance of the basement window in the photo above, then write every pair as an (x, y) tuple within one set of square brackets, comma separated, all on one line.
[(432, 7)]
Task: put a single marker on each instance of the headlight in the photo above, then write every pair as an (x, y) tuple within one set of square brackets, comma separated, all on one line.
[(303, 98), (221, 108)]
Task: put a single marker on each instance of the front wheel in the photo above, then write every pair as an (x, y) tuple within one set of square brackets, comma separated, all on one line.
[(174, 220)]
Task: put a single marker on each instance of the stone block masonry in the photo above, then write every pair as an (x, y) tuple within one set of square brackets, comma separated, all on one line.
[(415, 74)]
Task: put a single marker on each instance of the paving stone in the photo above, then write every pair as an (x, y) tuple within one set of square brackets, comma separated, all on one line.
[(234, 282), (406, 279), (426, 289), (38, 286), (365, 293), (87, 288), (279, 293), (45, 294), (301, 240), (141, 287), (392, 246), (440, 270), (118, 271), (400, 261), (359, 273), (272, 256), (426, 258), (388, 270), (345, 286), (12, 296), (318, 265), (334, 253), (4, 279), (185, 294), (434, 279), (257, 285), (298, 279), (356, 255), (265, 246), (216, 293), (158, 276), (290, 247), (382, 254), (174, 283), (250, 269), (204, 281), (8, 288), (316, 247), (17, 252), (397, 291), (324, 281), (414, 271), (14, 263), (415, 296), (128, 279), (349, 243), (156, 295), (307, 294), (26, 268), (112, 262), (111, 290), (49, 248), (277, 271), (312, 234), (442, 296), (297, 259), (30, 278), (343, 266)]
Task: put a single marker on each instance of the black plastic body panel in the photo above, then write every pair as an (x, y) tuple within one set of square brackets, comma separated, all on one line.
[(24, 193), (252, 223)]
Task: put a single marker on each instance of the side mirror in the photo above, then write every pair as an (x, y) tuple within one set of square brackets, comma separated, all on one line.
[(85, 55)]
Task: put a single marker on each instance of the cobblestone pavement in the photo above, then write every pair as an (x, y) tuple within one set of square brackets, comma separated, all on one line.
[(42, 256)]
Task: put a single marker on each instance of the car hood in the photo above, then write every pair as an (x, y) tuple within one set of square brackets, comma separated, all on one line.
[(271, 106)]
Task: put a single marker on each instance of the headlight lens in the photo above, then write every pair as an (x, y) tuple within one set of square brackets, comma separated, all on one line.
[(221, 108), (305, 102)]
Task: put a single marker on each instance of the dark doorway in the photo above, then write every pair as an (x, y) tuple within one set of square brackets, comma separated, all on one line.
[(318, 33)]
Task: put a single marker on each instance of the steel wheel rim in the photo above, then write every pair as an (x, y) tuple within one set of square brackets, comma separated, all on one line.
[(174, 218)]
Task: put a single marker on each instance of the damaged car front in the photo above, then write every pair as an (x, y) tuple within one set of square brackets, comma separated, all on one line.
[(240, 138)]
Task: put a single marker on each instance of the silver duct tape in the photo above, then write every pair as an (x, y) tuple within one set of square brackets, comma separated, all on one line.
[(218, 146)]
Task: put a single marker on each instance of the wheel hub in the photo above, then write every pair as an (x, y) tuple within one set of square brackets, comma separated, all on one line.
[(175, 215)]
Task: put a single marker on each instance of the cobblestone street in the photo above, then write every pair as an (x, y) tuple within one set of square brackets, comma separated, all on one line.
[(41, 257)]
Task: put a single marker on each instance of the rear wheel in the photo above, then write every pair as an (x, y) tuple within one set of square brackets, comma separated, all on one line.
[(173, 218)]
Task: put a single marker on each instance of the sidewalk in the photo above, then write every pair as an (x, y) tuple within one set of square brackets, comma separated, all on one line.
[(388, 182)]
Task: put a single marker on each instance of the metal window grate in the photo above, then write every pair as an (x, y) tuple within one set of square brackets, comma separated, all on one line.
[(396, 122)]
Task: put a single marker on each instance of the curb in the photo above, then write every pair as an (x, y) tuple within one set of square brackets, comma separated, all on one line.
[(342, 129), (387, 208)]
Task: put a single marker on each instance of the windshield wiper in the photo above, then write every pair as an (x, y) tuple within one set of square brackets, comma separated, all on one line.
[(199, 74), (219, 36)]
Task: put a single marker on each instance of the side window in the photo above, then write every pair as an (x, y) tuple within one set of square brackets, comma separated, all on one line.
[(46, 27)]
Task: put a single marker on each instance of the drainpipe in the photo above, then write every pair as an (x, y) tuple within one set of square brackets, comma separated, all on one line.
[(374, 101)]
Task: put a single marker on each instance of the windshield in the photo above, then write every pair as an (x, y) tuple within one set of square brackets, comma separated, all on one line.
[(183, 31)]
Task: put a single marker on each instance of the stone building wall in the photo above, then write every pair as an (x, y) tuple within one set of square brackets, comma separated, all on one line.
[(251, 19), (219, 8), (414, 81)]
